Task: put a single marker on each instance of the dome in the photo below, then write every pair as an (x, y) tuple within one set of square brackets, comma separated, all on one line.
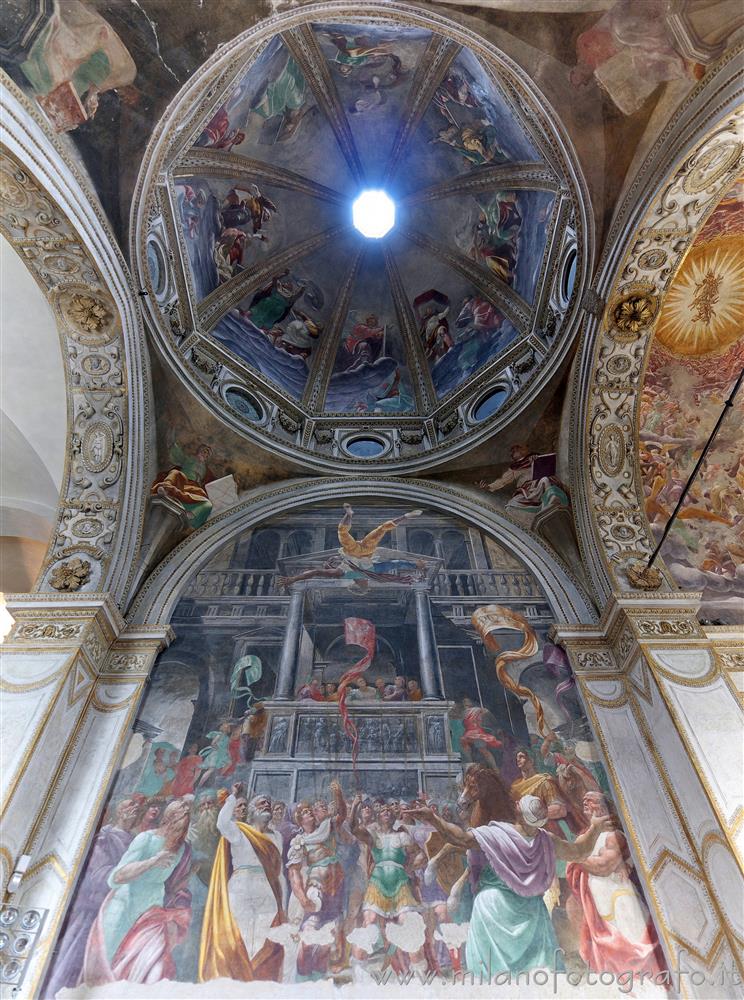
[(296, 329)]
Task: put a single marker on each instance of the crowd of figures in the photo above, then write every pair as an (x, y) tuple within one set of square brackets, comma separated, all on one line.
[(190, 879)]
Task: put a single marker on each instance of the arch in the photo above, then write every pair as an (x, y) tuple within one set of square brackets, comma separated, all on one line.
[(160, 593), (49, 209), (684, 175)]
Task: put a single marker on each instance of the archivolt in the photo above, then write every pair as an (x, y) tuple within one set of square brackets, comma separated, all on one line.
[(160, 593), (52, 218), (685, 175)]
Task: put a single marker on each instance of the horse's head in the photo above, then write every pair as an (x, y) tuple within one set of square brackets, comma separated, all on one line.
[(471, 786), (485, 793)]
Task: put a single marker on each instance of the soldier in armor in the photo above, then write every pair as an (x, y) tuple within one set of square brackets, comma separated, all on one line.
[(390, 890), (321, 891)]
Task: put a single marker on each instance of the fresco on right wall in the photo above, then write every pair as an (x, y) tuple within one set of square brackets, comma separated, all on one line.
[(696, 357)]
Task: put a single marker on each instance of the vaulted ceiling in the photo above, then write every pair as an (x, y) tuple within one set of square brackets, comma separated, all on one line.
[(315, 339)]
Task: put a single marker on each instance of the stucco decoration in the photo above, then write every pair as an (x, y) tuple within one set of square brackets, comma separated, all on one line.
[(52, 221), (673, 196), (404, 350)]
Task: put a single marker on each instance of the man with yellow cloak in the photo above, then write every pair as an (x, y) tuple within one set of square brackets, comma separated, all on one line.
[(245, 896)]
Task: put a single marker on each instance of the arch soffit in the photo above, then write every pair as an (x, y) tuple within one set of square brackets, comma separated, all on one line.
[(689, 169), (162, 590), (52, 218)]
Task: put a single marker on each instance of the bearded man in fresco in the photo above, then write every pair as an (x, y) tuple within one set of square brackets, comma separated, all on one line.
[(246, 894), (321, 890), (616, 929), (148, 911), (110, 844), (185, 482), (530, 494)]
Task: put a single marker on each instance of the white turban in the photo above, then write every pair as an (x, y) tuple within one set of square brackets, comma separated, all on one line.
[(533, 810)]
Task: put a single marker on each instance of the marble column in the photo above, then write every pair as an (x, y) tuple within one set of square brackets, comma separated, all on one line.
[(72, 675), (427, 646), (285, 684), (662, 693)]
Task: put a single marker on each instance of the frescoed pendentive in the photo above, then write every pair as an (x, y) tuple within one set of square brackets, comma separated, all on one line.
[(361, 755)]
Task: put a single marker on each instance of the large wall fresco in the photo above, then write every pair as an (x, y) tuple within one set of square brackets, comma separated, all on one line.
[(354, 694), (696, 357)]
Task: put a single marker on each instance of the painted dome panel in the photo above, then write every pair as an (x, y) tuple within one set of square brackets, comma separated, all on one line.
[(373, 69), (458, 327), (232, 225), (271, 114), (265, 288), (467, 124), (504, 232), (370, 372), (279, 327)]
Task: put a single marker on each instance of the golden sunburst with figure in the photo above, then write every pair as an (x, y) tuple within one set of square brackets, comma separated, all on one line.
[(703, 309)]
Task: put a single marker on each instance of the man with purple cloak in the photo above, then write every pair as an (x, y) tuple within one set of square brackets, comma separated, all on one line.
[(109, 846), (511, 865)]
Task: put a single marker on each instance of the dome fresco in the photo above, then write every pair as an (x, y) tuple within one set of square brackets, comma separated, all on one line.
[(272, 289)]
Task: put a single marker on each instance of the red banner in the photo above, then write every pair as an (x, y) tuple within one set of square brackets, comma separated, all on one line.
[(357, 632)]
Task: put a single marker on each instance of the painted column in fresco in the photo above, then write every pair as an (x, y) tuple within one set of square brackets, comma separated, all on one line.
[(661, 693), (427, 646), (285, 684), (72, 678)]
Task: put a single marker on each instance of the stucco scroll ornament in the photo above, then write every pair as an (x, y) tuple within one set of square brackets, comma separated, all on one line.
[(125, 663), (664, 627), (47, 630), (733, 661), (70, 575), (595, 659)]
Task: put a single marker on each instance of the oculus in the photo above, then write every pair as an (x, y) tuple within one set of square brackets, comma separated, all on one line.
[(373, 213)]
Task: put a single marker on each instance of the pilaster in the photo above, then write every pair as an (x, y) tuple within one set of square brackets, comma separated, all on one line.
[(661, 693), (72, 675)]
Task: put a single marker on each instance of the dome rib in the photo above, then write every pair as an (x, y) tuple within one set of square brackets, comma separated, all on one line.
[(514, 307), (423, 386), (235, 166), (528, 176), (227, 295), (303, 46), (430, 71), (322, 365)]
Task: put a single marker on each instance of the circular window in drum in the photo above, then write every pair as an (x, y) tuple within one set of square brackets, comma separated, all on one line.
[(244, 404), (487, 406), (365, 447), (569, 275), (156, 263)]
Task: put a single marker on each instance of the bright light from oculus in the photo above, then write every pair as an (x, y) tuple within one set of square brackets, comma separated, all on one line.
[(373, 213)]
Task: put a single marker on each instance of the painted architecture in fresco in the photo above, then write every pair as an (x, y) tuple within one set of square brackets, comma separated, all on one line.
[(351, 693), (696, 357)]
